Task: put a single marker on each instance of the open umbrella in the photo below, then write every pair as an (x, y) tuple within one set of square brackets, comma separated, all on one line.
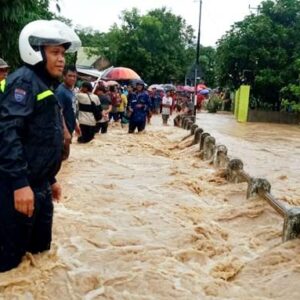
[(189, 89), (204, 92), (120, 73), (98, 83), (111, 83), (134, 82), (169, 87), (185, 88), (158, 87)]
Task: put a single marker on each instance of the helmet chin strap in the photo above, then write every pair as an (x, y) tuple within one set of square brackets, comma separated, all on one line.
[(40, 67), (42, 50), (43, 54)]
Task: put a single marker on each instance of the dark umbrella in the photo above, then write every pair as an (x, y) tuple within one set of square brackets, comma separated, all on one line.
[(134, 82), (169, 87), (204, 92)]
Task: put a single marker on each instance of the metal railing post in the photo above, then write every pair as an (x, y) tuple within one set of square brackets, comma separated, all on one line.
[(218, 155)]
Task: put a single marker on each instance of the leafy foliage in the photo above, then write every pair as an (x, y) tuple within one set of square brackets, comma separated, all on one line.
[(159, 45), (14, 14), (208, 65), (266, 47), (214, 104)]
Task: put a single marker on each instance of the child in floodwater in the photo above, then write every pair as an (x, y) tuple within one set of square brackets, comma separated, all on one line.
[(167, 102)]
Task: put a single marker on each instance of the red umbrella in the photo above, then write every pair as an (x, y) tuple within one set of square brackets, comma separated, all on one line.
[(120, 73)]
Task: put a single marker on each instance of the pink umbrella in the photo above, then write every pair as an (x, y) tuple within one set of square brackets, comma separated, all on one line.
[(180, 88), (101, 82), (185, 88), (189, 89), (111, 83)]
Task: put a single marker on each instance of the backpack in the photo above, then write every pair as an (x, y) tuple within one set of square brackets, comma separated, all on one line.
[(96, 110)]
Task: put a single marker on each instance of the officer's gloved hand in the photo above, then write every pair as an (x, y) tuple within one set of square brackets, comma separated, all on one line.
[(24, 201)]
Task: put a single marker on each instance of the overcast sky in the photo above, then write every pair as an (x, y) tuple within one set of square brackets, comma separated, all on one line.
[(217, 15)]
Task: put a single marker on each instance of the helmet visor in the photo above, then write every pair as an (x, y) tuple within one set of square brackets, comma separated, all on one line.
[(38, 41)]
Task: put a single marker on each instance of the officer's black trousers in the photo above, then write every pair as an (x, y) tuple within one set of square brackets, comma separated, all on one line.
[(20, 234)]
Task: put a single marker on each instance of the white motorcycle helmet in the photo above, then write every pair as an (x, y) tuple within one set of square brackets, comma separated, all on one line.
[(45, 33)]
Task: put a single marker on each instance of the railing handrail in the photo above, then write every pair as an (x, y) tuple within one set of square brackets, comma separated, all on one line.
[(236, 173)]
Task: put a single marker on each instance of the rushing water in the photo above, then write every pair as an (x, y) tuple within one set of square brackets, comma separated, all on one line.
[(144, 218), (270, 151)]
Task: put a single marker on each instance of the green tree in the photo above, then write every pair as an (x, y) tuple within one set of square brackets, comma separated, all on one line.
[(265, 46), (14, 14), (207, 63), (90, 37), (207, 66), (158, 45)]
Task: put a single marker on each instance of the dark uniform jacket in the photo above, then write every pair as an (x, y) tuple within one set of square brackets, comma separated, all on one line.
[(31, 130), (140, 106)]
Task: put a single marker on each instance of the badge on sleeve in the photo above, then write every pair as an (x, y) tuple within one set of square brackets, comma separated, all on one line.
[(20, 96)]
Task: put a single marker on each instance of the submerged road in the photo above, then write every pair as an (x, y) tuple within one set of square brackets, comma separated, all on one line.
[(270, 151), (143, 218)]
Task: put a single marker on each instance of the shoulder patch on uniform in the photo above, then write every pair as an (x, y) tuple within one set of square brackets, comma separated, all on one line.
[(20, 95)]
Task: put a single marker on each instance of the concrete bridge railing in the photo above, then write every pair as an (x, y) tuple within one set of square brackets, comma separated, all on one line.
[(234, 172)]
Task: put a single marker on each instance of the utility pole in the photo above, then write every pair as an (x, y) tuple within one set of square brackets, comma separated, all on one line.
[(197, 55), (199, 33), (257, 8)]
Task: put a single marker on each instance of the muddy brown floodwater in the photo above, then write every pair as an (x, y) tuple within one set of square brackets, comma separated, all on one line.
[(270, 151), (144, 218)]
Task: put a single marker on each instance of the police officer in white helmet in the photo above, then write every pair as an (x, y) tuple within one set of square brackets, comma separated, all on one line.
[(31, 141)]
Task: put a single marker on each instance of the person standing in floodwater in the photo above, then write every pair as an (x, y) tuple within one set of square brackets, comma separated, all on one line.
[(31, 141), (66, 97), (166, 110), (87, 122), (139, 107), (105, 101)]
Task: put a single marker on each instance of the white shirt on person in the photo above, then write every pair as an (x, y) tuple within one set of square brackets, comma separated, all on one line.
[(167, 101), (84, 117)]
